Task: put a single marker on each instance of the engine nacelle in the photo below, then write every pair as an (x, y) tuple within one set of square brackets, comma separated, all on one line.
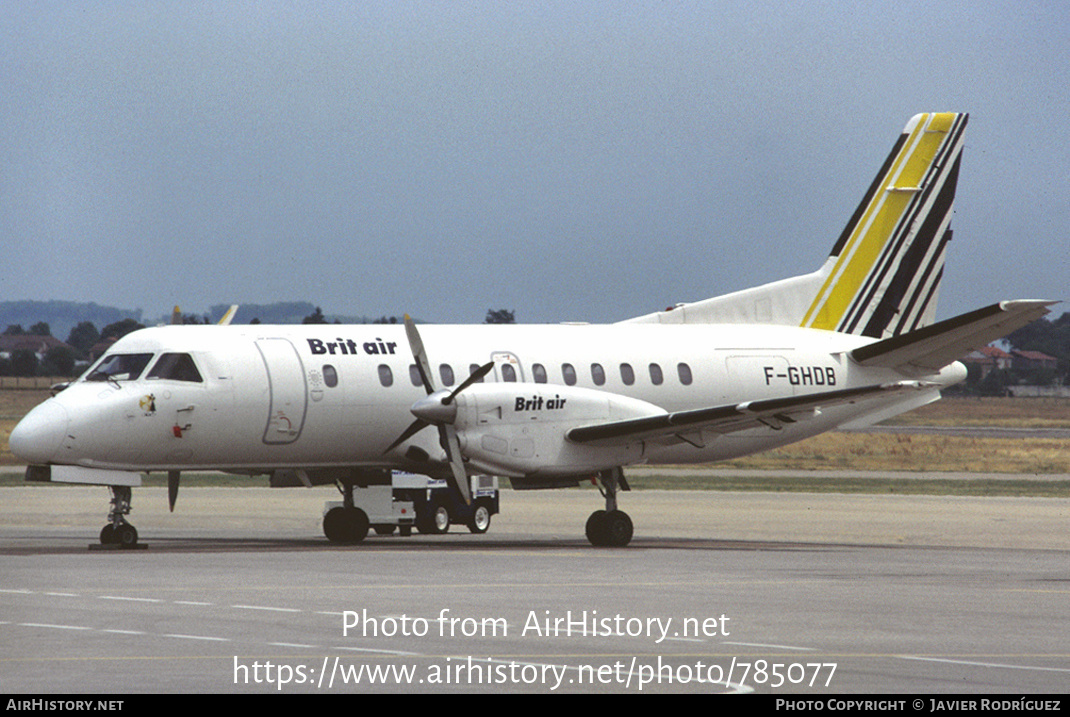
[(518, 429)]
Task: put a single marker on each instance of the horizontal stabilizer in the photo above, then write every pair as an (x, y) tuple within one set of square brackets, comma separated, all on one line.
[(773, 413), (935, 346)]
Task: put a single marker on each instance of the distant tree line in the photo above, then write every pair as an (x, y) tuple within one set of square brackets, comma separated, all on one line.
[(62, 316), (500, 316), (62, 359)]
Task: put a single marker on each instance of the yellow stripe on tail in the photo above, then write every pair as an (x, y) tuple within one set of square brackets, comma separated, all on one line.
[(888, 263)]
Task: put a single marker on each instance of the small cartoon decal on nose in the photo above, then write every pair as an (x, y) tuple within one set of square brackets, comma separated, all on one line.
[(148, 404)]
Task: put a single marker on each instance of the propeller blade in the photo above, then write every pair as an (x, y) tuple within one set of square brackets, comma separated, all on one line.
[(475, 376), (172, 488), (453, 453), (431, 411), (415, 427), (419, 354)]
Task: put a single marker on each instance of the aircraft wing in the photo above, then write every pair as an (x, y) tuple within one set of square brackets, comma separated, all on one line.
[(937, 345), (687, 425)]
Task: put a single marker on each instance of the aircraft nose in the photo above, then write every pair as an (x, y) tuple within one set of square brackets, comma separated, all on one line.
[(37, 437)]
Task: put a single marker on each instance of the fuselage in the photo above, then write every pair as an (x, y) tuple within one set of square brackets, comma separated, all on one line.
[(268, 397)]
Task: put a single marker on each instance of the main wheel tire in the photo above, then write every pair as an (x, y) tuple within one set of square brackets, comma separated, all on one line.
[(358, 525), (609, 529), (618, 529), (334, 525), (480, 520), (345, 526), (595, 529)]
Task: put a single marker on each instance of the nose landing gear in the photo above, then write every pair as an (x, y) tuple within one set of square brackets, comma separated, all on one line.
[(119, 533)]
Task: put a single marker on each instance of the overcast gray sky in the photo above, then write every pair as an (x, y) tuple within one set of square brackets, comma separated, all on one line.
[(571, 161)]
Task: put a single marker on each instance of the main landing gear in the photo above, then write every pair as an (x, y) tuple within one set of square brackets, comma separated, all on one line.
[(118, 532), (346, 524), (610, 527)]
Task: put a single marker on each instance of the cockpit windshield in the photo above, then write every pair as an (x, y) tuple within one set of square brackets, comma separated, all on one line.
[(119, 367), (176, 367)]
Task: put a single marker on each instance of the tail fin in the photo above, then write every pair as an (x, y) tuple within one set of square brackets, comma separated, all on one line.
[(883, 275)]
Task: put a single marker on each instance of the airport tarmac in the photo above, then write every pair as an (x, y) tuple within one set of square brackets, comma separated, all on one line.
[(238, 592)]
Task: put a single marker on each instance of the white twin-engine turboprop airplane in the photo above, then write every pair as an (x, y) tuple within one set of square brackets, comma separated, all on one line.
[(546, 406)]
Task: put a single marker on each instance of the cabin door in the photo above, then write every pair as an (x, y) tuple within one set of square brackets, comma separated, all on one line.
[(289, 394)]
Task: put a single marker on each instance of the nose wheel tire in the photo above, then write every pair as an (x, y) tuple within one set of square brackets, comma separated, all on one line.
[(124, 535), (107, 535), (127, 535)]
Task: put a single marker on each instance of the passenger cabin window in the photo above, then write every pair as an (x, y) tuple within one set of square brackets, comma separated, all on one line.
[(627, 374), (386, 376), (539, 372), (330, 375), (472, 368), (568, 373), (684, 371), (119, 367), (414, 375), (598, 374), (508, 373), (176, 367), (656, 376), (446, 372)]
